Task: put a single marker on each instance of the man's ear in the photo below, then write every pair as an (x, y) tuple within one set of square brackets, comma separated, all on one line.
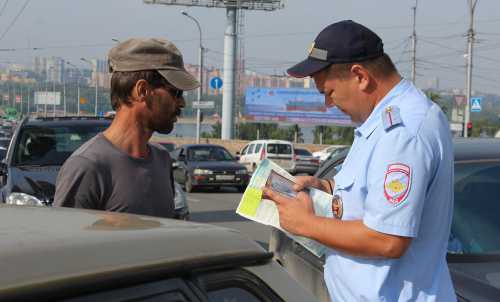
[(141, 90), (362, 76)]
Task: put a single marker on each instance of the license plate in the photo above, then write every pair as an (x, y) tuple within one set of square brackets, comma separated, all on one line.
[(224, 177)]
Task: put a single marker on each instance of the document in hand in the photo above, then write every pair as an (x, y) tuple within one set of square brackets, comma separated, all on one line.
[(252, 206)]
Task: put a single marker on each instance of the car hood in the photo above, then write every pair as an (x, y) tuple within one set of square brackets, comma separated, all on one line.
[(476, 280), (216, 165), (36, 181)]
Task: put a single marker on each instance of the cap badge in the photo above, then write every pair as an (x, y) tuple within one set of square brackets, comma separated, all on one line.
[(309, 51)]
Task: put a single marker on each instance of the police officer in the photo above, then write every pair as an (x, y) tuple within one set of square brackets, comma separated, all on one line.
[(393, 199)]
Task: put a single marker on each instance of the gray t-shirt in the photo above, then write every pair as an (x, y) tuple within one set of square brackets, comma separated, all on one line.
[(102, 177)]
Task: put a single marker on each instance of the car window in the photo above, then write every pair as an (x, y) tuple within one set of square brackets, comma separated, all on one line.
[(475, 225), (279, 148), (258, 147), (244, 151), (169, 146), (172, 290), (250, 149), (303, 152), (44, 145), (209, 153), (232, 294)]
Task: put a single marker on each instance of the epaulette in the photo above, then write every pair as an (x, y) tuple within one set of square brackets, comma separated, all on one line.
[(391, 117)]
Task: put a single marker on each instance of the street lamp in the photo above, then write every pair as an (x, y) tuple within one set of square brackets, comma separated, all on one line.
[(200, 77), (96, 80), (77, 87)]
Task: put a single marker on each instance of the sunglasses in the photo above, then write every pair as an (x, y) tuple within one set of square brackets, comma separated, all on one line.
[(177, 93)]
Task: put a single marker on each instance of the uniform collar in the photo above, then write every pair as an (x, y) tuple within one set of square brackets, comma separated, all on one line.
[(373, 120)]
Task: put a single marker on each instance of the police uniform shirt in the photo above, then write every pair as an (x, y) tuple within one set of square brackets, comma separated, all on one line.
[(398, 179)]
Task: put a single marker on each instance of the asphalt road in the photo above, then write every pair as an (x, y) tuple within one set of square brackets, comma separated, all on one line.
[(218, 208)]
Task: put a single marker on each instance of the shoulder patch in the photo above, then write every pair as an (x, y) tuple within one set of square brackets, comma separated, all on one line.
[(391, 117), (397, 183)]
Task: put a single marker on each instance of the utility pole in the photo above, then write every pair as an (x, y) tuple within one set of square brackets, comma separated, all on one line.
[(200, 77), (470, 40), (414, 46)]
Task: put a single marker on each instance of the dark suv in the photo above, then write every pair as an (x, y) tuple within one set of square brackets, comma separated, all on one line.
[(39, 148)]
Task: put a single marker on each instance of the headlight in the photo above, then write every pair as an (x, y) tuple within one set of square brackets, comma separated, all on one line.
[(242, 171), (202, 171), (22, 199), (180, 197)]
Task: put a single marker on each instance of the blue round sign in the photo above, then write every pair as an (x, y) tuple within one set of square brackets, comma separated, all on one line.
[(216, 83)]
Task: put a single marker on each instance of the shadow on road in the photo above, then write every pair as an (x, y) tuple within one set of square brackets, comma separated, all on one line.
[(216, 190), (217, 216)]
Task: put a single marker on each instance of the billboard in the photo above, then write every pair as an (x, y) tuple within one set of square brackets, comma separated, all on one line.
[(47, 98), (291, 105)]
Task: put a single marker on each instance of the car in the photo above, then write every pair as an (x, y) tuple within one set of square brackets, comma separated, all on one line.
[(207, 166), (39, 148), (167, 145), (304, 162), (4, 142), (64, 254), (323, 154), (474, 244), (279, 151)]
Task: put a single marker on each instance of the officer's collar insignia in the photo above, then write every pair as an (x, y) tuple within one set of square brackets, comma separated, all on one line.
[(337, 207), (397, 183), (391, 117)]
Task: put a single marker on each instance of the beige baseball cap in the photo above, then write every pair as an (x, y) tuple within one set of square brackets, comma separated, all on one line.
[(138, 54)]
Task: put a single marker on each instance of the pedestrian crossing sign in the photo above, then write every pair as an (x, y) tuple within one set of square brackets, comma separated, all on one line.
[(475, 105)]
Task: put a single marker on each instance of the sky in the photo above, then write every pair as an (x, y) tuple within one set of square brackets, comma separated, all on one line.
[(273, 41)]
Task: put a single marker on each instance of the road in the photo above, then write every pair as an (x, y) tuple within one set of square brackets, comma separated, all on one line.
[(218, 208)]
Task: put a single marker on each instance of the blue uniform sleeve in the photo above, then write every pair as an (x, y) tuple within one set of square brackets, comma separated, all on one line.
[(399, 175)]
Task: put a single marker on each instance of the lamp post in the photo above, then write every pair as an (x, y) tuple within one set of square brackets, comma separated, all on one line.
[(200, 77), (77, 87), (96, 81)]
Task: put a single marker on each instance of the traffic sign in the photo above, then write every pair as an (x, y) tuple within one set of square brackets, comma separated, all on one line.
[(216, 83), (204, 105), (475, 104)]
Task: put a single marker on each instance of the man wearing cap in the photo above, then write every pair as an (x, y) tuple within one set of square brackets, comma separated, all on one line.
[(391, 213), (118, 170)]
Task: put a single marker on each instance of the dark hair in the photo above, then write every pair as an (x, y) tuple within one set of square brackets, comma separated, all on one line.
[(379, 67), (122, 83)]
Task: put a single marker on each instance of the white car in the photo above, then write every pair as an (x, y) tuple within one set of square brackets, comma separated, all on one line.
[(322, 155), (280, 152)]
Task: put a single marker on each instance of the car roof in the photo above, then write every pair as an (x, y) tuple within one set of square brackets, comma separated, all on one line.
[(476, 149), (67, 121), (200, 145), (270, 141), (42, 245)]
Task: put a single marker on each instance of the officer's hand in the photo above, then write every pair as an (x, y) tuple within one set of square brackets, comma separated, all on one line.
[(294, 213), (302, 182)]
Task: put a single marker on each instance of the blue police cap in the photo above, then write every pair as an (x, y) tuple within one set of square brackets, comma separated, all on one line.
[(342, 42)]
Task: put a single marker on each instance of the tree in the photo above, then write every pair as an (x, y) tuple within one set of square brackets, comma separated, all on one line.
[(334, 135)]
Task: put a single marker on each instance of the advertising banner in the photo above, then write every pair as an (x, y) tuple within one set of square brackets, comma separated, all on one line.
[(291, 105), (47, 98)]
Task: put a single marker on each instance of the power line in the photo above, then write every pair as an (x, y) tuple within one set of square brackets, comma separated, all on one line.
[(14, 20)]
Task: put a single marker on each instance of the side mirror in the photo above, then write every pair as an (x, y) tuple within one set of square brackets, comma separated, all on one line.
[(181, 157), (237, 157)]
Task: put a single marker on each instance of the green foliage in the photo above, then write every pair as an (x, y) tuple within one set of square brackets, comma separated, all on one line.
[(334, 135), (216, 131), (248, 131), (484, 127)]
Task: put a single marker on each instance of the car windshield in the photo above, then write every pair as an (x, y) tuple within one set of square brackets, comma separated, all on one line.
[(302, 152), (476, 225), (209, 154), (51, 145), (279, 148), (169, 146)]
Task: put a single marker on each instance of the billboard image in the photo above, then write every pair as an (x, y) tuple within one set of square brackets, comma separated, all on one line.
[(291, 105), (47, 98)]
